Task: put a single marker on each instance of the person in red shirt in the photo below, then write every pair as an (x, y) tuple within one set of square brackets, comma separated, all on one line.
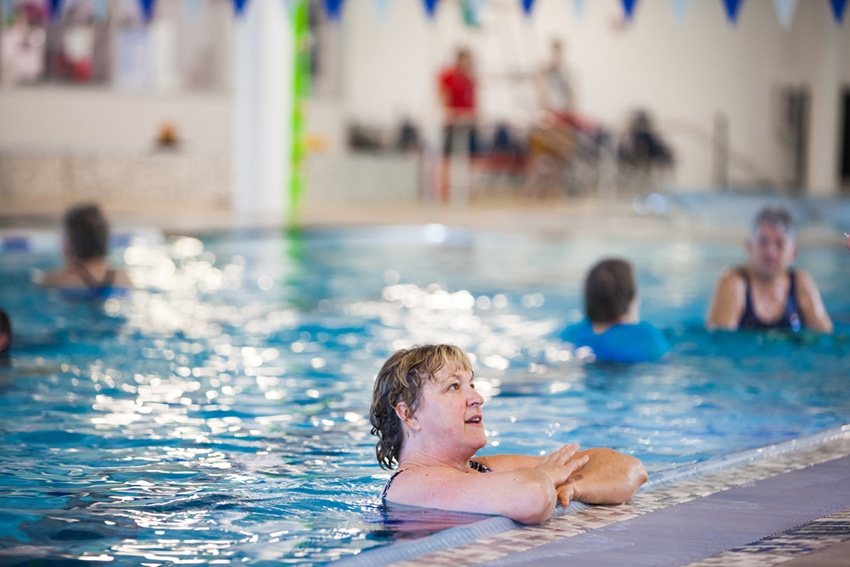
[(458, 95)]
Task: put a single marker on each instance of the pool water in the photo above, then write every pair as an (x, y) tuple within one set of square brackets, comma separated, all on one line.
[(220, 414)]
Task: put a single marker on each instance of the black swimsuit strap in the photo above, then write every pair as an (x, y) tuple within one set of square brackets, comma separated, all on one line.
[(388, 484)]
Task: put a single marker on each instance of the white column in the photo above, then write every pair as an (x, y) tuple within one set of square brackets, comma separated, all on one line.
[(262, 109), (824, 131)]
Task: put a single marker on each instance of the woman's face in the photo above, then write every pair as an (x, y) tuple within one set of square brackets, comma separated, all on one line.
[(771, 250), (450, 410)]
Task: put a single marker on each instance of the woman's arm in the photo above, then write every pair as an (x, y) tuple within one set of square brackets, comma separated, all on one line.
[(814, 313), (727, 304), (609, 477)]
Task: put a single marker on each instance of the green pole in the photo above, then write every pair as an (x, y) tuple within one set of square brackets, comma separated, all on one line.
[(300, 92)]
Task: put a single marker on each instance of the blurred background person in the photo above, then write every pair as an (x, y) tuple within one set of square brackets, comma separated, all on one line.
[(85, 248), (459, 100), (23, 46), (5, 334), (767, 292)]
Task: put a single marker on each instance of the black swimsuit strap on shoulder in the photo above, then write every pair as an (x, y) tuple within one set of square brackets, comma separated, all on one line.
[(388, 484), (476, 466)]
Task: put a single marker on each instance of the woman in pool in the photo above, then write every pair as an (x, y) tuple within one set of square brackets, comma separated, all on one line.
[(85, 248), (5, 334), (767, 292), (427, 416), (611, 328)]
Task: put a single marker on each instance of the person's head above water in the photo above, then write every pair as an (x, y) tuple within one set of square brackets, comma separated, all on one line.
[(86, 233), (427, 415), (771, 245), (5, 333), (609, 291), (400, 381)]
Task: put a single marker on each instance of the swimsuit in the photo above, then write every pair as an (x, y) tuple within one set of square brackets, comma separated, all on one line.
[(94, 289), (790, 319), (91, 282), (474, 465)]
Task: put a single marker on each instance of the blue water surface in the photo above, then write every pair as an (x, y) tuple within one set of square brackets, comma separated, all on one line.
[(220, 413)]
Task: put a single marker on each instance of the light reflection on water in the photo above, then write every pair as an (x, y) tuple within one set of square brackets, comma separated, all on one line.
[(222, 412)]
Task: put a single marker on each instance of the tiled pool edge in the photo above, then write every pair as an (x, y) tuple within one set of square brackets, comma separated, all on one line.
[(495, 538)]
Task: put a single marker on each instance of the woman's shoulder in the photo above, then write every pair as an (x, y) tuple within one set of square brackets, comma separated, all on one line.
[(60, 277)]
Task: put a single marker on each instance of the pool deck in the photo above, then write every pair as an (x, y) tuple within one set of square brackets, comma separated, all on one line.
[(792, 507), (686, 216)]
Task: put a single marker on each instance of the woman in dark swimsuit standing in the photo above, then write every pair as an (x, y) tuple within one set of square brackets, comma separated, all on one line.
[(766, 292), (427, 416), (85, 248)]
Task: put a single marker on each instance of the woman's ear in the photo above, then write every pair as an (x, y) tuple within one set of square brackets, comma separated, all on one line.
[(405, 414)]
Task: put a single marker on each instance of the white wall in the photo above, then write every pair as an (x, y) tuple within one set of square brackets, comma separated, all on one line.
[(684, 73), (105, 121)]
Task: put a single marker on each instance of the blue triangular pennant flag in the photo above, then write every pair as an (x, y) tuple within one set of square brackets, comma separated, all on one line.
[(381, 7), (8, 8), (333, 8), (838, 9), (629, 8), (193, 9), (578, 8), (147, 7), (431, 7), (239, 7), (733, 7), (527, 6), (785, 11), (55, 8), (680, 9), (99, 9)]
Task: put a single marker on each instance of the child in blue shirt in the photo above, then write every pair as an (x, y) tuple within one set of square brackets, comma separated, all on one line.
[(612, 329)]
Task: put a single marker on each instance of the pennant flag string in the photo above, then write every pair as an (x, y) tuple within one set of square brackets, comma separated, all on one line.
[(527, 6), (838, 7), (733, 7), (629, 8), (680, 9), (785, 11)]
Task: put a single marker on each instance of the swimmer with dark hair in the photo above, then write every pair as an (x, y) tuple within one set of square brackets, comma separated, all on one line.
[(85, 247), (612, 328), (5, 334)]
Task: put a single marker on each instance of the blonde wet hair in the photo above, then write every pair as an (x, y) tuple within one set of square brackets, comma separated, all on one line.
[(400, 380)]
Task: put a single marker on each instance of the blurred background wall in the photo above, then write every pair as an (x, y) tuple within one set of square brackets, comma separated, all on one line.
[(720, 91)]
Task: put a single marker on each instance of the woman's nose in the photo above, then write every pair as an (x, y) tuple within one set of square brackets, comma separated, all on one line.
[(475, 398)]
